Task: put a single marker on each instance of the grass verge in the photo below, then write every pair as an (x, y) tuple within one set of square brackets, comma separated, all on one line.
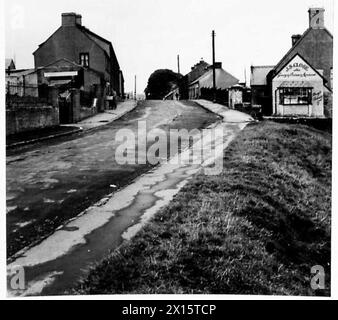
[(257, 228)]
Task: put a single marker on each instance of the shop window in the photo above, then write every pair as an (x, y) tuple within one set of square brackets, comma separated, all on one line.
[(84, 59), (295, 96)]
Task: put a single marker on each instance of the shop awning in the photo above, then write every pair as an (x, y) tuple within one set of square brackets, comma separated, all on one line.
[(296, 84)]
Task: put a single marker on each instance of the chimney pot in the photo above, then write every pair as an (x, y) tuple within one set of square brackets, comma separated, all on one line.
[(79, 19), (295, 38), (316, 18)]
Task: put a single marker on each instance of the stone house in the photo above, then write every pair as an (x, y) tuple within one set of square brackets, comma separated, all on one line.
[(76, 55)]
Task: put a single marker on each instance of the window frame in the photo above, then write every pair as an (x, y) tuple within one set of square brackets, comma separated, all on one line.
[(85, 55), (282, 95)]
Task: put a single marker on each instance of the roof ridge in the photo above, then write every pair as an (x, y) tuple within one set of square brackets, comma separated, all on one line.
[(263, 66), (93, 33), (298, 42)]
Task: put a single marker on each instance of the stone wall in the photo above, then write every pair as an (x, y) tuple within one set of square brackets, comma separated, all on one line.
[(31, 118)]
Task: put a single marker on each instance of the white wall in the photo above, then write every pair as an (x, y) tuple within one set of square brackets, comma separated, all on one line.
[(299, 71)]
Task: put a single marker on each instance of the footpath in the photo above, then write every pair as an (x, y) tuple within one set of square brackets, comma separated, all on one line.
[(228, 115), (90, 123)]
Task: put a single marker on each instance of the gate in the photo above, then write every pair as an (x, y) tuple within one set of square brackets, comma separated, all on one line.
[(65, 108)]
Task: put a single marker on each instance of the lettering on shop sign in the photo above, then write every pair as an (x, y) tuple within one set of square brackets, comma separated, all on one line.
[(296, 72), (297, 68), (317, 97), (297, 65)]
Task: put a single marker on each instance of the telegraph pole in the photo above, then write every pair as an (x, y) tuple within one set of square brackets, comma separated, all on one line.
[(178, 64), (213, 66), (244, 76), (135, 88)]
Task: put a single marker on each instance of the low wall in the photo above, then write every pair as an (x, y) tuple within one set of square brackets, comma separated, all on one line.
[(87, 112), (81, 112), (324, 124), (31, 118)]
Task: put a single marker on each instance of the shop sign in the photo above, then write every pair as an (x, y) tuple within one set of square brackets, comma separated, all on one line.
[(297, 68)]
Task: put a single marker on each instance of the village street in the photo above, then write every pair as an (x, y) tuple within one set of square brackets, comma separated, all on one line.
[(50, 185), (55, 181)]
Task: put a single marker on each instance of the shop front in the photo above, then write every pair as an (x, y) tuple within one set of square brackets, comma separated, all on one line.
[(298, 90)]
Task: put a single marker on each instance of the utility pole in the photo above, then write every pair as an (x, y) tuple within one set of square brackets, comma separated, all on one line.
[(213, 66), (244, 76), (178, 64), (135, 88)]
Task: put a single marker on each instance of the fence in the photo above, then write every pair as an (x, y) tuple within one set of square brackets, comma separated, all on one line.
[(20, 95), (21, 90)]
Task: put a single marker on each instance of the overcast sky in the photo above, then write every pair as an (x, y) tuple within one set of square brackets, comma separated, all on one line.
[(148, 34)]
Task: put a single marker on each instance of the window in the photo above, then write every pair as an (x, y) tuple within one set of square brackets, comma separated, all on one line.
[(295, 96), (84, 59)]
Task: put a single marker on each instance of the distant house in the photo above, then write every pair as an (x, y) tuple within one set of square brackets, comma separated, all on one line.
[(196, 71), (202, 87), (75, 54), (9, 65), (301, 82)]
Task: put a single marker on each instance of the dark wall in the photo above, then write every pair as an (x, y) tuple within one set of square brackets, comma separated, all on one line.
[(261, 95)]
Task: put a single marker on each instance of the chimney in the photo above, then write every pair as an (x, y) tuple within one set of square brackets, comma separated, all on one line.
[(316, 18), (295, 38), (70, 19), (79, 19)]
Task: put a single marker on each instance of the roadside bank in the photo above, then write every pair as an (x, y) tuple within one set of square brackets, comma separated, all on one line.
[(257, 228)]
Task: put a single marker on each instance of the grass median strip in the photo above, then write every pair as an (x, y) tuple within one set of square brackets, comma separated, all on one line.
[(257, 228)]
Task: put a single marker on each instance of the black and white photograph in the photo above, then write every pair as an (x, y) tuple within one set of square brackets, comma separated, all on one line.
[(160, 148)]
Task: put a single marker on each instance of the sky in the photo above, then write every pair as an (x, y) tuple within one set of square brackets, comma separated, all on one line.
[(149, 34)]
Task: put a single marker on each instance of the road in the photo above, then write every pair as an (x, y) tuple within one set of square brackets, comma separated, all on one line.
[(74, 179), (55, 181)]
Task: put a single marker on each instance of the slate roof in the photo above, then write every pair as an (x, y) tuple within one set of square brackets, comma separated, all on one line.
[(224, 80), (305, 48), (21, 72), (258, 75)]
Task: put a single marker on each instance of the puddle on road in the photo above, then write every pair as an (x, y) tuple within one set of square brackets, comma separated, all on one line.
[(73, 248)]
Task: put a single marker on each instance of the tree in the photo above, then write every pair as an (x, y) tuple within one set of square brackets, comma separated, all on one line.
[(160, 83)]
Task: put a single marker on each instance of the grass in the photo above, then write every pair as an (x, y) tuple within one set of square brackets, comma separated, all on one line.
[(257, 228)]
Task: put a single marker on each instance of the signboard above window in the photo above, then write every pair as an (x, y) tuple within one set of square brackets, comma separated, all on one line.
[(297, 69)]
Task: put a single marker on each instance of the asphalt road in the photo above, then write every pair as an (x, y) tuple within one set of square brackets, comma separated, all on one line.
[(52, 182)]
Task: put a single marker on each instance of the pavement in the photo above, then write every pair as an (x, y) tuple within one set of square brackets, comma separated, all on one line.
[(228, 115), (107, 116), (69, 204)]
